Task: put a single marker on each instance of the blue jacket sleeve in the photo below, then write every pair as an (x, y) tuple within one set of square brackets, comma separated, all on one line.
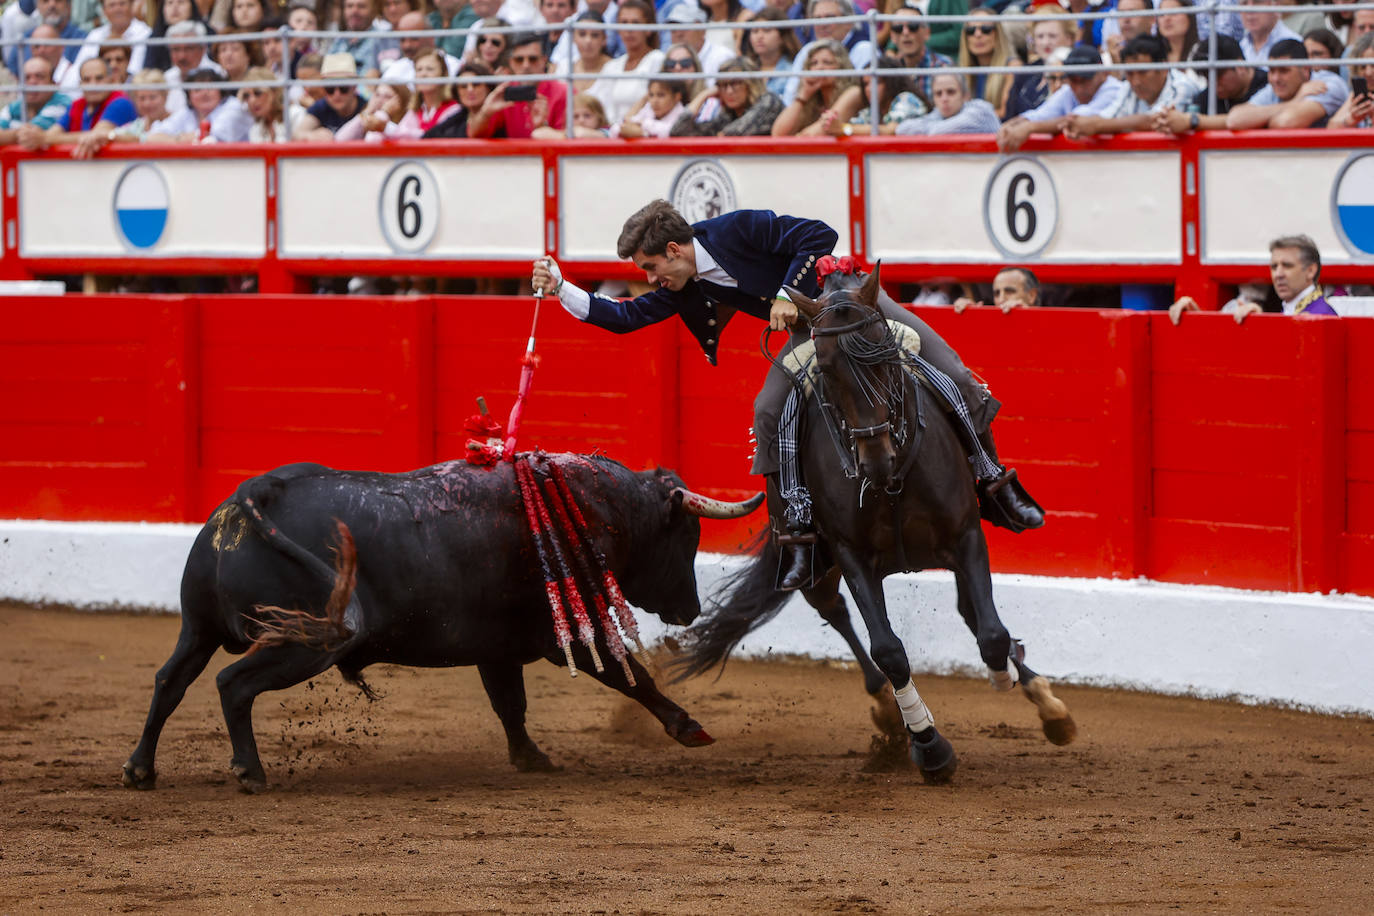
[(806, 241), (623, 316)]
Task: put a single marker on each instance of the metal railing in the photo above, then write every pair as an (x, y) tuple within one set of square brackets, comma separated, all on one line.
[(871, 21)]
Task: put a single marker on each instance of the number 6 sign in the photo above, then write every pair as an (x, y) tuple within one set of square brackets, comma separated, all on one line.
[(408, 207), (1020, 207)]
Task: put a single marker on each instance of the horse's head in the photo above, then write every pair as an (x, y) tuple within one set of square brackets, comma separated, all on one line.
[(860, 366)]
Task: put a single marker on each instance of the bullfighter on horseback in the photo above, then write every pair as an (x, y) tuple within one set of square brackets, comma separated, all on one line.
[(742, 262)]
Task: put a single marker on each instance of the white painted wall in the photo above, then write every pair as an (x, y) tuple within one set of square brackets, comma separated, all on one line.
[(1307, 650)]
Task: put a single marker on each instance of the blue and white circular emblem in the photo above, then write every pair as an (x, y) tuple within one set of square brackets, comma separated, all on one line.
[(1352, 204), (140, 205)]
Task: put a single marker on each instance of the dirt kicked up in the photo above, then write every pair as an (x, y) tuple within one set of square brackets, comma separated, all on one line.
[(408, 804)]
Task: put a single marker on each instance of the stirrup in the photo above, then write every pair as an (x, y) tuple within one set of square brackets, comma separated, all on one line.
[(805, 544), (990, 506)]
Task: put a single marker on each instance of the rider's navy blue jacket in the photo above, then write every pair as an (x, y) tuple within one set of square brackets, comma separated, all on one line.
[(761, 250)]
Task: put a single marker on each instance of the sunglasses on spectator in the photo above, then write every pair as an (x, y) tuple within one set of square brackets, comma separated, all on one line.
[(729, 84), (491, 40), (906, 27), (677, 63), (337, 90), (977, 29)]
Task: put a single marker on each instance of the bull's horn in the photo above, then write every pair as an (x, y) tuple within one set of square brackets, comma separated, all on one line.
[(706, 507)]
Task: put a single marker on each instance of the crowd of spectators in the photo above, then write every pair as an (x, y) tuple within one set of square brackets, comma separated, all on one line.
[(675, 77)]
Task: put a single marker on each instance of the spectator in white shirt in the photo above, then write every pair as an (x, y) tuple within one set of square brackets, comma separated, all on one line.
[(1296, 97), (1087, 93), (620, 96), (1262, 30), (120, 24), (187, 57), (402, 70)]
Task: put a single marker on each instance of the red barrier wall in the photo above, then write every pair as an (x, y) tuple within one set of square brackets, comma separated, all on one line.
[(1203, 453)]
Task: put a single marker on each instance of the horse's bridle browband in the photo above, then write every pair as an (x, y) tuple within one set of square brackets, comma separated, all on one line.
[(846, 328)]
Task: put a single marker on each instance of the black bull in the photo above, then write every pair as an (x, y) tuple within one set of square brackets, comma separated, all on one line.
[(446, 574)]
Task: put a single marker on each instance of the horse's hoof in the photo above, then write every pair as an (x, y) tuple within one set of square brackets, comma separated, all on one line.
[(249, 782), (138, 777), (1060, 731), (935, 758)]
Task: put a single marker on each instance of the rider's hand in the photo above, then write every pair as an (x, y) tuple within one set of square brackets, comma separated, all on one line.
[(546, 276), (782, 315), (1186, 304)]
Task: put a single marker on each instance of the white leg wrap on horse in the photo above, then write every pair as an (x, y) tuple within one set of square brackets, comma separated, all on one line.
[(1004, 680), (914, 712)]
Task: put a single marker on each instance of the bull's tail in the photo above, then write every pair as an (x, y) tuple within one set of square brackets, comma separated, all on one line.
[(744, 602), (278, 626), (325, 632)]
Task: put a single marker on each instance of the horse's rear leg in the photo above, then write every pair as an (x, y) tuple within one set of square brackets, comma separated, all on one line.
[(930, 751), (194, 648), (977, 608)]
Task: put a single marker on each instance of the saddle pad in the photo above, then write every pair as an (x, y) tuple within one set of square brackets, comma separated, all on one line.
[(801, 359)]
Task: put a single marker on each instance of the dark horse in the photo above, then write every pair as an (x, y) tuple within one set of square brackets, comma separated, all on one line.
[(892, 492)]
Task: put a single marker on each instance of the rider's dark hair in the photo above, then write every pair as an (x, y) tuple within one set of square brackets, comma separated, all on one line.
[(651, 229)]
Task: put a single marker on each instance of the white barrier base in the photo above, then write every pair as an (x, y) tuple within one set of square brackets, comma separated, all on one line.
[(1310, 651)]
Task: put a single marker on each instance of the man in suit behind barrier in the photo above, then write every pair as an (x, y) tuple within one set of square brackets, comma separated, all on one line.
[(742, 262)]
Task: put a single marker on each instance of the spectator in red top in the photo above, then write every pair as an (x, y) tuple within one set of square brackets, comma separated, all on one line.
[(518, 119), (94, 111)]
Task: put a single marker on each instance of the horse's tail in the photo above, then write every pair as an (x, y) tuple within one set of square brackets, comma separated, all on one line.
[(742, 603)]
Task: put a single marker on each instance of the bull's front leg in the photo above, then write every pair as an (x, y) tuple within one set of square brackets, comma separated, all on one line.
[(680, 726), (505, 685)]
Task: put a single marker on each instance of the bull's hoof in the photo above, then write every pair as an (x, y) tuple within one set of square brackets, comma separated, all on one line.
[(1060, 731), (249, 781), (935, 758), (135, 777), (533, 760), (688, 732)]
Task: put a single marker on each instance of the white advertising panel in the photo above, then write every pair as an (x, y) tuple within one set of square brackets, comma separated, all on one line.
[(151, 208), (1251, 197), (597, 193), (395, 207), (1091, 207)]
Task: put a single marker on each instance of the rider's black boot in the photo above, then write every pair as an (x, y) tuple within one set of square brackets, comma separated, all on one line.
[(1004, 502), (795, 567)]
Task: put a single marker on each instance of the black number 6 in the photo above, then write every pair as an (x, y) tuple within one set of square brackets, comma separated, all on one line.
[(1015, 207), (408, 214)]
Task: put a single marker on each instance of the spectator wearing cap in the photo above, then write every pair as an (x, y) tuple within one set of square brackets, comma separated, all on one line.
[(341, 102), (618, 97), (358, 16), (56, 14), (685, 19), (954, 113), (1148, 92), (120, 25), (1262, 30), (187, 57), (1296, 96), (1087, 93), (910, 35), (38, 106), (1235, 85), (210, 116), (518, 119), (402, 70)]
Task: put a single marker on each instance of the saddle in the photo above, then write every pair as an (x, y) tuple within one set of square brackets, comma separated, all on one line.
[(801, 359)]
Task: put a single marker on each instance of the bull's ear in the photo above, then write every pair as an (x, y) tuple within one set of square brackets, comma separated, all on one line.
[(868, 293), (807, 306)]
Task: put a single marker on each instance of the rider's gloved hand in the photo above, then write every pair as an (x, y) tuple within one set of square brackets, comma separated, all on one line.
[(546, 276)]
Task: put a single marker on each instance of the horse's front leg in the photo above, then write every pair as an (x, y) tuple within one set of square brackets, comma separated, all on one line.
[(930, 751)]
